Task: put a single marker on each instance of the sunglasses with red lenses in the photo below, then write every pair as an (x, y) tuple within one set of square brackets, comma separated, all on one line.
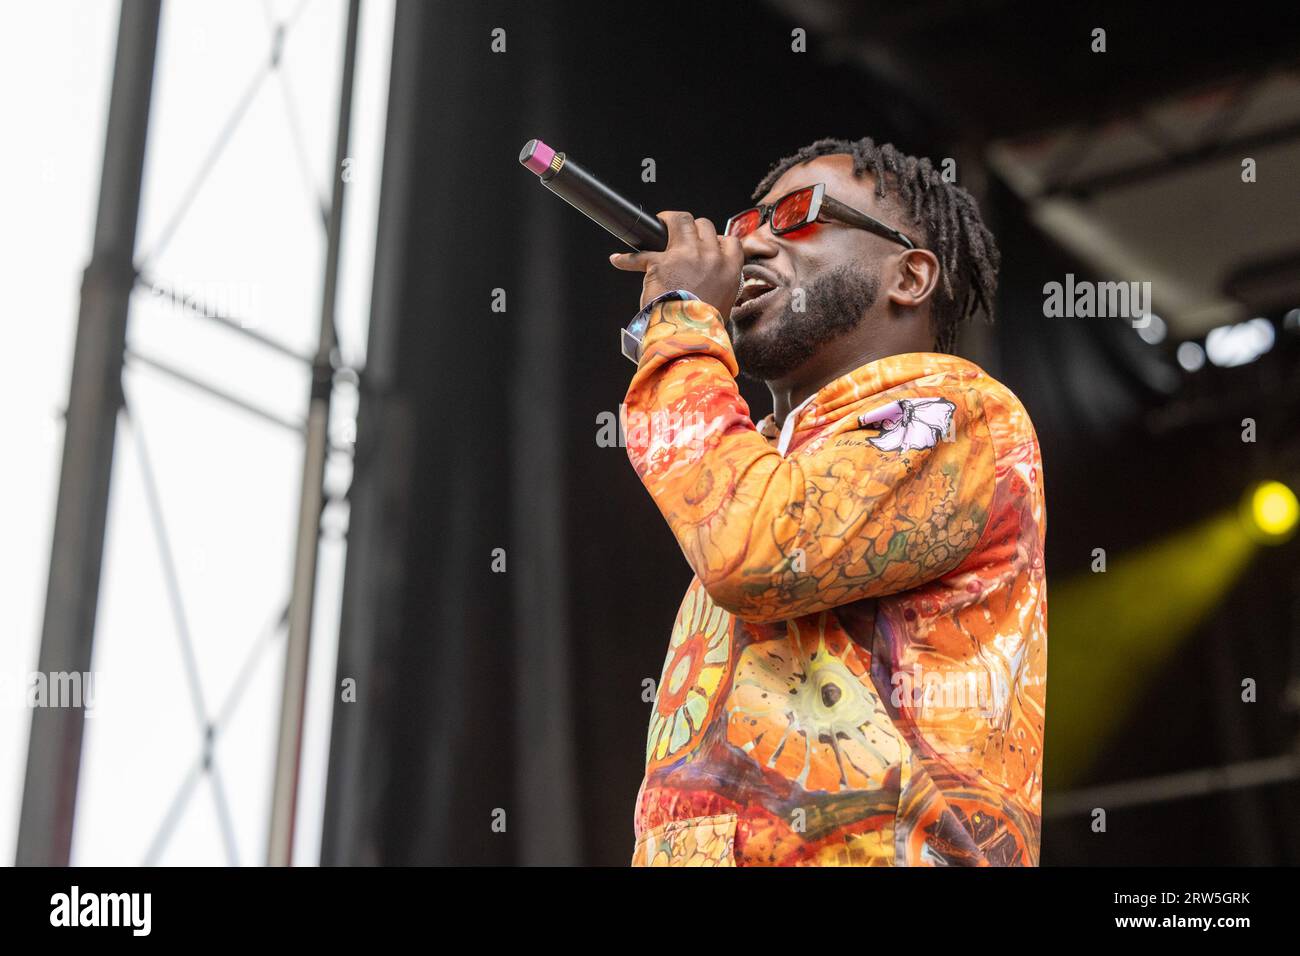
[(803, 207)]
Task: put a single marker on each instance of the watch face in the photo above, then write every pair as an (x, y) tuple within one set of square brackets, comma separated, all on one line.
[(631, 347)]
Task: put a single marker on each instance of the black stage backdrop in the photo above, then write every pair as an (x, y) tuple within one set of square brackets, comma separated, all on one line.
[(486, 697)]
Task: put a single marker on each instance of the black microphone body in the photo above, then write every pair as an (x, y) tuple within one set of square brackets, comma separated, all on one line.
[(587, 194)]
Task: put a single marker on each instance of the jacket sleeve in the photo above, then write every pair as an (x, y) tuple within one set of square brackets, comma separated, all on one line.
[(771, 537)]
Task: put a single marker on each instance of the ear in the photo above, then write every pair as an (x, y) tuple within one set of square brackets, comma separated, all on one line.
[(915, 278)]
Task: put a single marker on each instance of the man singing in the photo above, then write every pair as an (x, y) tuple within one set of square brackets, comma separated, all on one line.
[(857, 674)]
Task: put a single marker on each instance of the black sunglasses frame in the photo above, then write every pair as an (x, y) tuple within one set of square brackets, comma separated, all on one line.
[(822, 203)]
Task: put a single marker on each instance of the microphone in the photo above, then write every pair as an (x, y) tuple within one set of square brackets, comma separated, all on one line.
[(587, 194)]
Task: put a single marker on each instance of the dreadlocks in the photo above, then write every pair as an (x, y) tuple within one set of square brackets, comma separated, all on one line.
[(943, 212)]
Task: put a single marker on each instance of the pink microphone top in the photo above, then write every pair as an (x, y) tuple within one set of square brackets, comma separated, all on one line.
[(536, 155)]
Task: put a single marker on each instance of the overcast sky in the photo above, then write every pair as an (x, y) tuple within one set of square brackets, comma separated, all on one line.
[(251, 241)]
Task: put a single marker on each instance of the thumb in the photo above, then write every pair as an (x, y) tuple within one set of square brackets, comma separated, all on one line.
[(628, 261)]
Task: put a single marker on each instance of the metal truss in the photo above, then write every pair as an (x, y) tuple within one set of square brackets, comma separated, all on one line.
[(96, 399)]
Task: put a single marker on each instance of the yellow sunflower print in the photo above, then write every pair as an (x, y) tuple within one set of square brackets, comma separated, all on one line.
[(805, 709)]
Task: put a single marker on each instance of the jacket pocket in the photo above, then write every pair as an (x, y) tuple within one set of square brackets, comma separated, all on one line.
[(698, 841)]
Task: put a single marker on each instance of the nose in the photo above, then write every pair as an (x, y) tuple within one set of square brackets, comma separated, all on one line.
[(759, 244)]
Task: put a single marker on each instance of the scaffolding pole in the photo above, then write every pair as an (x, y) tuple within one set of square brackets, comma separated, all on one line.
[(94, 398), (284, 799)]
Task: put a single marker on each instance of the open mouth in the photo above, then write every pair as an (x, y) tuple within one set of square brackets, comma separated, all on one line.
[(755, 294)]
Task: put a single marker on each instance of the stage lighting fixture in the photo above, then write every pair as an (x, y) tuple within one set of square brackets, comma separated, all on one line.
[(1270, 511)]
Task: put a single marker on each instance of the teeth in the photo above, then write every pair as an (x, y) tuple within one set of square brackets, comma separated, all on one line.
[(751, 287)]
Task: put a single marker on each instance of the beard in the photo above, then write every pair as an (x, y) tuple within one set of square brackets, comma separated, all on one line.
[(834, 303)]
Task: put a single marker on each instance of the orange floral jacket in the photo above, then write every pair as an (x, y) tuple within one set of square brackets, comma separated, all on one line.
[(857, 674)]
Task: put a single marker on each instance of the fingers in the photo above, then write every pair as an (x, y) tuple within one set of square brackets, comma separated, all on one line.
[(681, 226), (729, 246), (684, 230), (732, 250), (629, 261)]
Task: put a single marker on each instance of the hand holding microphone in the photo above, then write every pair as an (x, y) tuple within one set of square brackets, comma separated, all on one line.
[(697, 259), (677, 251)]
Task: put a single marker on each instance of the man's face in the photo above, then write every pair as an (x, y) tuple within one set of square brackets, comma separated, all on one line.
[(836, 266)]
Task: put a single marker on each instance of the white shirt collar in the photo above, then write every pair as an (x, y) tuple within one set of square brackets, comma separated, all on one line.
[(787, 427)]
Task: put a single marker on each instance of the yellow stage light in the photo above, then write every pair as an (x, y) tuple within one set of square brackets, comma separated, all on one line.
[(1271, 511), (1112, 632)]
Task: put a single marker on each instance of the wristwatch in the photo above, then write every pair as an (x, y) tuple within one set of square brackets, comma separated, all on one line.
[(635, 331)]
